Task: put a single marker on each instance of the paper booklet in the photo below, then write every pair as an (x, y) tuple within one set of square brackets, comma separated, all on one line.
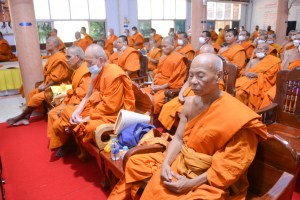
[(127, 118)]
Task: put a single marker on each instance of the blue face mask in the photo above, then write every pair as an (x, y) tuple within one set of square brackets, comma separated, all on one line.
[(94, 69)]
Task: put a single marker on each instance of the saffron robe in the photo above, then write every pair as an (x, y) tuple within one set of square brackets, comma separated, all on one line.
[(214, 35), (272, 52), (282, 49), (158, 39), (109, 46), (83, 43), (107, 54), (188, 51), (88, 38), (276, 46), (270, 31), (255, 35), (80, 84), (220, 40), (216, 49), (138, 38), (154, 54), (249, 47), (130, 41), (230, 143), (5, 52), (176, 41), (113, 59), (56, 69), (62, 46), (171, 70), (112, 38), (251, 92), (130, 61)]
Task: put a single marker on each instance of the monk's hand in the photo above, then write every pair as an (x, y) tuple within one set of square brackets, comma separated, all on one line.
[(183, 184), (181, 98), (74, 118), (59, 112), (165, 174)]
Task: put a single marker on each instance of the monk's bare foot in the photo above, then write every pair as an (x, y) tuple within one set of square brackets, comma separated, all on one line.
[(13, 120), (63, 150), (21, 122)]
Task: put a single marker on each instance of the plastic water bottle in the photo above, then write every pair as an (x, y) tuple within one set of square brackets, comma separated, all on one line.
[(114, 148), (125, 149)]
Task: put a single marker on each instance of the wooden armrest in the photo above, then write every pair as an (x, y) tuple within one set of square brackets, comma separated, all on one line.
[(154, 148), (267, 108), (145, 84), (103, 134), (139, 78), (172, 92)]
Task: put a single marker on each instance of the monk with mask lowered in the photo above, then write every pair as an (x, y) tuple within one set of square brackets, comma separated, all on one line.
[(138, 39), (171, 73), (80, 83), (62, 46), (271, 42), (205, 38), (81, 42), (110, 91), (258, 78), (56, 71), (86, 36), (129, 38), (244, 42), (213, 147), (157, 37), (185, 47), (113, 59)]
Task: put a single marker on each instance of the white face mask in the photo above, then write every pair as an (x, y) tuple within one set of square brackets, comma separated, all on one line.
[(125, 34), (180, 42), (270, 42), (260, 55), (133, 32), (115, 50), (108, 33), (293, 37), (94, 69), (151, 34), (261, 41), (202, 40), (296, 43), (241, 38)]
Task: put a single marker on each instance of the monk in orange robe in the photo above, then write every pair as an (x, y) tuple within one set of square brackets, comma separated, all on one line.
[(263, 38), (108, 44), (259, 77), (216, 134), (255, 33), (205, 38), (86, 36), (222, 33), (138, 39), (244, 42), (292, 47), (157, 37), (154, 55), (81, 42), (62, 46), (80, 84), (185, 47), (113, 59), (176, 38), (56, 71), (129, 38), (271, 42), (214, 35), (102, 44), (5, 51), (171, 73), (168, 114), (269, 30), (291, 37), (110, 91), (111, 35)]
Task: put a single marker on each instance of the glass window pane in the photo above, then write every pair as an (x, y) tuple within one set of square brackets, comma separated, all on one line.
[(79, 9), (41, 9), (228, 11), (157, 11), (97, 29), (211, 10), (44, 29), (144, 9), (180, 25), (97, 9), (218, 25), (144, 28), (66, 29), (169, 9), (59, 9), (180, 9), (162, 26), (220, 11), (236, 11)]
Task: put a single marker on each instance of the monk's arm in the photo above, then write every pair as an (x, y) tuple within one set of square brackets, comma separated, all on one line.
[(49, 84), (153, 60)]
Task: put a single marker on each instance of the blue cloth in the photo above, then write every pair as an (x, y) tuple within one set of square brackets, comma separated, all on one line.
[(132, 135)]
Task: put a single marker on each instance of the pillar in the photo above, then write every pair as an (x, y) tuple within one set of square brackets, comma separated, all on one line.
[(282, 18), (27, 43), (198, 20)]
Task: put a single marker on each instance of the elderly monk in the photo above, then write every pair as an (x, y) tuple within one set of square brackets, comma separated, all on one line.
[(222, 34), (129, 38), (81, 42), (291, 47), (234, 53), (289, 39), (157, 37), (5, 51), (255, 33), (62, 46), (154, 55), (138, 38), (263, 39), (128, 58), (185, 47), (205, 38), (111, 35), (110, 91), (86, 36), (259, 77), (213, 147), (113, 59), (244, 42), (171, 73), (108, 44), (271, 42), (269, 30), (80, 83), (255, 41), (167, 115), (214, 35), (102, 44), (56, 71)]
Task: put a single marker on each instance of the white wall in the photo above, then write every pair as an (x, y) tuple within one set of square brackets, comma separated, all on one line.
[(112, 15), (10, 39), (294, 14), (243, 15), (188, 14)]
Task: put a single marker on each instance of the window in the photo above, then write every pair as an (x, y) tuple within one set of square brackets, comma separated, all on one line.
[(144, 28), (59, 9), (143, 9), (179, 25), (41, 9), (44, 29), (79, 9), (162, 26), (97, 9), (97, 29), (67, 29)]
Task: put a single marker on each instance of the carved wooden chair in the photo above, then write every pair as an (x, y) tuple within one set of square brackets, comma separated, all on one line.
[(272, 174), (282, 117), (143, 72), (2, 181)]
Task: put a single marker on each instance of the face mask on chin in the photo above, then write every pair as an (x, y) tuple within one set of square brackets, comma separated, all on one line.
[(241, 38), (260, 55), (202, 40), (115, 50), (180, 42), (133, 32), (270, 42), (151, 34), (296, 43), (94, 69), (125, 34)]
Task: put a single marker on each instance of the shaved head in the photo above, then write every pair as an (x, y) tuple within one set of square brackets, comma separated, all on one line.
[(55, 40), (96, 51), (101, 43), (169, 40), (77, 35), (207, 48), (265, 45), (76, 50)]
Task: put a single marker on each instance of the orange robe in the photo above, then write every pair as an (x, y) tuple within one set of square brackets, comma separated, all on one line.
[(276, 46), (251, 92), (282, 49), (255, 35), (130, 61), (138, 38), (83, 43), (130, 41), (88, 38), (188, 51), (220, 40), (176, 41), (227, 146), (216, 49), (171, 70), (249, 47), (154, 54), (5, 52), (112, 38), (62, 46), (113, 59), (109, 46), (107, 54), (214, 35), (272, 52), (158, 39), (112, 91), (269, 32), (80, 84), (56, 69)]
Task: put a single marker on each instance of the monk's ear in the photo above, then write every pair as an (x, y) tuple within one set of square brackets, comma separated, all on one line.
[(220, 76)]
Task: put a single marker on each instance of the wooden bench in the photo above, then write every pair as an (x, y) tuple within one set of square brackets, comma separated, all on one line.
[(143, 72)]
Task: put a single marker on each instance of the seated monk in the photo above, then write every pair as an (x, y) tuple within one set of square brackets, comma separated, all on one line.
[(80, 83), (62, 46), (83, 43), (291, 47), (171, 73), (205, 38), (263, 38), (138, 39), (110, 91), (153, 56), (234, 53), (255, 33), (102, 44), (173, 35), (244, 42), (86, 36), (5, 51), (214, 35), (291, 38), (222, 33), (271, 42), (258, 78), (56, 71), (113, 59), (168, 112), (111, 35), (213, 147), (185, 47), (108, 44), (269, 30), (155, 36), (129, 38), (128, 58), (176, 38)]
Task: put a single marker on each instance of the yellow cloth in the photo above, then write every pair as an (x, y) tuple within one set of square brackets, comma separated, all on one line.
[(10, 79)]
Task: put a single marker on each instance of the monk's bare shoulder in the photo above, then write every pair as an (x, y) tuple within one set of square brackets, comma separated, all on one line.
[(222, 49)]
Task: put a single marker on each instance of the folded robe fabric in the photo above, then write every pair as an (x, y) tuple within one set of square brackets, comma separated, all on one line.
[(131, 135)]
